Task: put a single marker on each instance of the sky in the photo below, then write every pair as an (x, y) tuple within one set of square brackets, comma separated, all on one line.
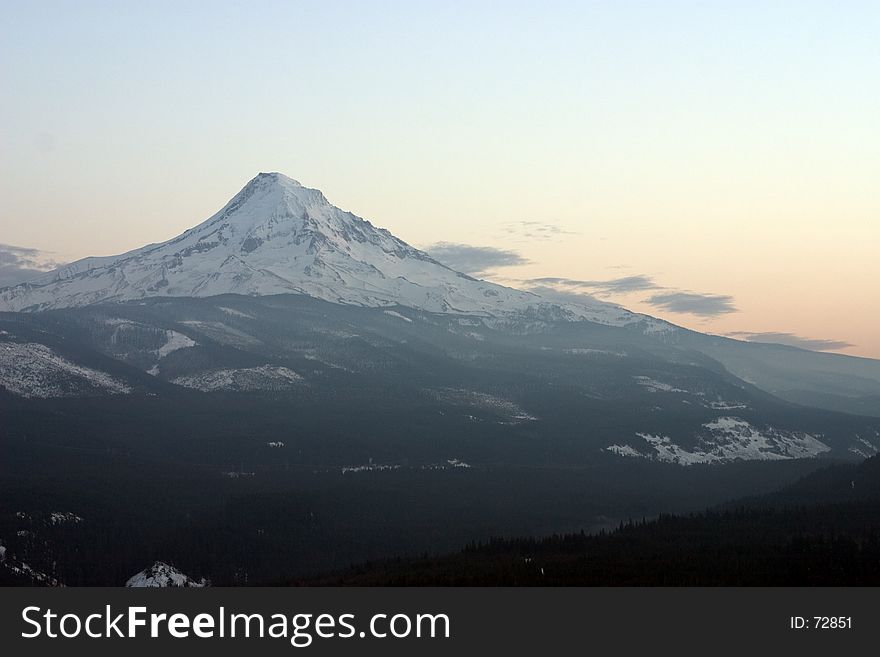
[(712, 163)]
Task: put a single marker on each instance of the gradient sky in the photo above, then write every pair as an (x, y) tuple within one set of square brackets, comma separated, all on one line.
[(725, 151)]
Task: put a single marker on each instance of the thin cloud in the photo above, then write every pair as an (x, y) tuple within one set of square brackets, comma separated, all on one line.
[(537, 230), (792, 340), (622, 285), (670, 299), (562, 296), (20, 264), (474, 260), (693, 303)]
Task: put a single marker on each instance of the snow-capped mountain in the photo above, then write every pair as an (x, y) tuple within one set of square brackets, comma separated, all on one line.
[(278, 237)]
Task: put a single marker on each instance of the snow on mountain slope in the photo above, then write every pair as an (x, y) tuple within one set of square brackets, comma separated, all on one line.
[(278, 237), (30, 369), (174, 342), (727, 439), (265, 377)]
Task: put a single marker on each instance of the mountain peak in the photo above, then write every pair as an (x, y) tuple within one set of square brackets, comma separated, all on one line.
[(269, 183), (275, 177), (272, 189), (276, 236)]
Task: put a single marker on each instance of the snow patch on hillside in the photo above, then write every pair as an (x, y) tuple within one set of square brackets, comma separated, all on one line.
[(23, 569), (722, 405), (173, 342), (864, 448), (656, 386), (33, 370), (624, 450), (727, 439), (64, 518), (162, 575), (393, 313), (264, 377)]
